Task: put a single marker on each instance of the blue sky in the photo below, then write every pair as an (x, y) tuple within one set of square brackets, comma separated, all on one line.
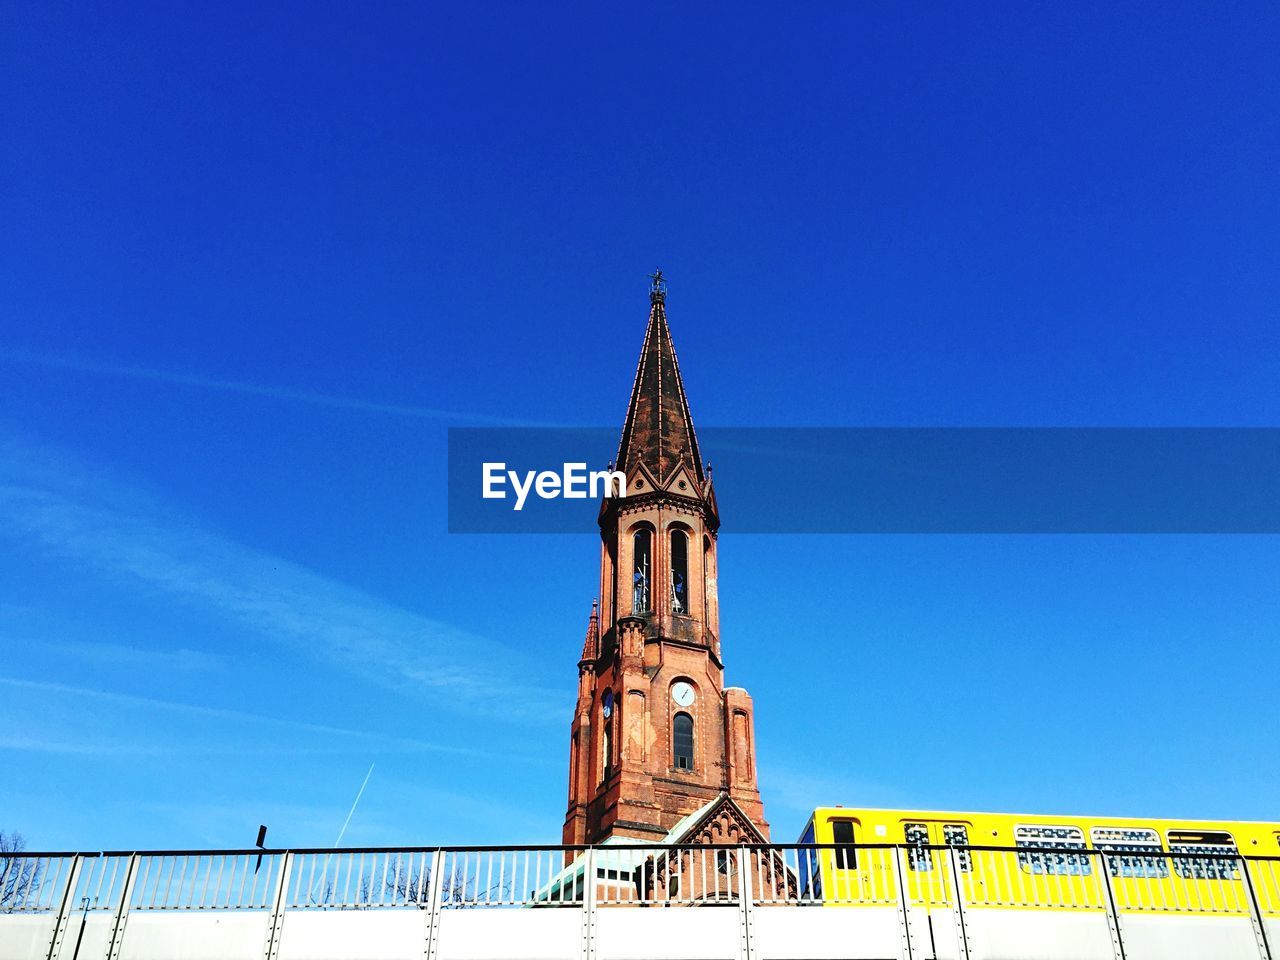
[(257, 259)]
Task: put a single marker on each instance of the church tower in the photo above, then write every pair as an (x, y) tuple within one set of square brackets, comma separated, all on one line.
[(656, 735)]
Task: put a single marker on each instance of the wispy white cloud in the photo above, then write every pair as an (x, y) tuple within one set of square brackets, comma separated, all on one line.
[(28, 626), (80, 515), (267, 391), (119, 654), (76, 746), (336, 738)]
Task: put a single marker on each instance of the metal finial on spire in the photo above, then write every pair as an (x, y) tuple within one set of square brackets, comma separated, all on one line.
[(657, 288)]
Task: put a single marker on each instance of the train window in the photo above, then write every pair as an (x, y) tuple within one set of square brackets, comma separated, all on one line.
[(810, 876), (957, 835), (846, 852), (1058, 839), (919, 856), (1219, 867), (1133, 840)]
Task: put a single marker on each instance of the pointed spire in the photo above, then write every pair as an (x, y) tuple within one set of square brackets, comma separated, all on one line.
[(659, 428), (591, 646)]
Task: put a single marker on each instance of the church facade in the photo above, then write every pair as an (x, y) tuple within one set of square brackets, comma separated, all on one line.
[(660, 750)]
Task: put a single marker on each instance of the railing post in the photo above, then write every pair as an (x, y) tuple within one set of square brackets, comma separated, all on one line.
[(65, 909), (1113, 912), (957, 904), (279, 902), (904, 917), (1255, 913), (435, 894), (746, 906), (122, 911), (588, 950)]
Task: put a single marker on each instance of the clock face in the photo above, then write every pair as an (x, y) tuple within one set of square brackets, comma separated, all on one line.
[(683, 694), (606, 705)]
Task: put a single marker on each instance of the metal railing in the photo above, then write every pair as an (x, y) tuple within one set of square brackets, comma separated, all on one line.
[(201, 881), (1265, 876), (645, 874), (914, 880), (32, 883)]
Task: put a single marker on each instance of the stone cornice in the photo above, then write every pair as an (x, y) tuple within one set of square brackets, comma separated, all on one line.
[(613, 508)]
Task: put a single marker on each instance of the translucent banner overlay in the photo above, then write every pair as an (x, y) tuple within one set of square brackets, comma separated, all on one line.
[(900, 480)]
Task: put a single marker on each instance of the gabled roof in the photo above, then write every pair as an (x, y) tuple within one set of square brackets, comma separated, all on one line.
[(683, 825), (719, 820)]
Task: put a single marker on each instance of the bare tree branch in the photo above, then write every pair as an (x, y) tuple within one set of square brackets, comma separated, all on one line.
[(20, 877)]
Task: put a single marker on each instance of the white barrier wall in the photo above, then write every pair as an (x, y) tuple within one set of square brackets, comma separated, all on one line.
[(712, 933), (192, 936)]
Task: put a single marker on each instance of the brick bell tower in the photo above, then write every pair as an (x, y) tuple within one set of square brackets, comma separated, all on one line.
[(656, 735)]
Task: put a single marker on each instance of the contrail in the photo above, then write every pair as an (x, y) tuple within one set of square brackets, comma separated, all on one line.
[(351, 812), (134, 372), (329, 856)]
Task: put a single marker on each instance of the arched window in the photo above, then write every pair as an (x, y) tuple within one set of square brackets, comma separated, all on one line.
[(682, 741), (707, 573), (610, 603), (606, 746), (679, 572), (606, 737), (642, 553)]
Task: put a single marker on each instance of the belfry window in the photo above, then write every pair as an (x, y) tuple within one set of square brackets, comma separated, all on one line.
[(606, 713), (606, 747), (706, 572), (682, 741), (642, 552), (679, 572)]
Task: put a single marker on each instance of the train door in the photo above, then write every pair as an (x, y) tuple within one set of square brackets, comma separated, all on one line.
[(853, 874), (928, 865)]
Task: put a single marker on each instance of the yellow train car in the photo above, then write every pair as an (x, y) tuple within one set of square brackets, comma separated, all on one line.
[(1032, 861)]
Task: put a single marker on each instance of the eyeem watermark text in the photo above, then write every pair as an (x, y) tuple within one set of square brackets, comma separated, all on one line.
[(573, 483)]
